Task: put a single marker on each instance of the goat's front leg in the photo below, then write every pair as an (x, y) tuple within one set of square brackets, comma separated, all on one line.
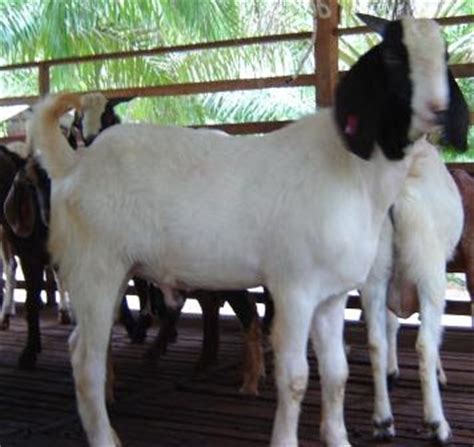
[(33, 271), (327, 336), (374, 304), (427, 345), (293, 313)]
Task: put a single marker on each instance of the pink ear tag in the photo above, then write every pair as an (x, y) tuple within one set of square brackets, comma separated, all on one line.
[(351, 126)]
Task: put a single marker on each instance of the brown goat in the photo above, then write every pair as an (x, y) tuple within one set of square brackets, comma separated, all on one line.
[(465, 183)]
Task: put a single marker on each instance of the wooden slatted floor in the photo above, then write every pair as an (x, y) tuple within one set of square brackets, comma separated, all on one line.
[(164, 405)]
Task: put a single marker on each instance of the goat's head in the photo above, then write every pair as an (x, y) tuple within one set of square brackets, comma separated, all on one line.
[(98, 114), (399, 90), (10, 163), (28, 196)]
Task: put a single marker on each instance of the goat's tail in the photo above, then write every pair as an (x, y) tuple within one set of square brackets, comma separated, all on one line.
[(44, 134)]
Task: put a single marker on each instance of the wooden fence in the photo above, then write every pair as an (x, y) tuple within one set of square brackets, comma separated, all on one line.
[(324, 80)]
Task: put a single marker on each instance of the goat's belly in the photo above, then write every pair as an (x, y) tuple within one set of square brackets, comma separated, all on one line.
[(201, 273)]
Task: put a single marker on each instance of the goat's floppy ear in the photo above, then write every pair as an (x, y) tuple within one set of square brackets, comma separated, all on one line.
[(364, 112), (19, 209), (457, 121), (376, 24)]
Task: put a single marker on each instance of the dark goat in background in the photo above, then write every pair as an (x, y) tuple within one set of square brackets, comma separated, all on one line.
[(26, 233), (465, 184)]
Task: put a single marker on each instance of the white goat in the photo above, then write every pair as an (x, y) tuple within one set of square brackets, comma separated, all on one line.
[(424, 229), (299, 210)]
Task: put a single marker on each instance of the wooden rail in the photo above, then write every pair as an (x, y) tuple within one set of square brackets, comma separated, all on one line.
[(324, 79), (325, 50)]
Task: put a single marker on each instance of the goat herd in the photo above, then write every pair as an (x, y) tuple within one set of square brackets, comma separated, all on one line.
[(352, 197)]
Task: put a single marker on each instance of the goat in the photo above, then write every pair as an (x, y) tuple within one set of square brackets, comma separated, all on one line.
[(465, 183), (299, 210), (463, 255), (416, 242), (25, 234)]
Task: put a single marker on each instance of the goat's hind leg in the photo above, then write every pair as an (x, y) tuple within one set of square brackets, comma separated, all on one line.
[(293, 313), (374, 304), (94, 299), (33, 271), (393, 371), (427, 345), (327, 337), (245, 309)]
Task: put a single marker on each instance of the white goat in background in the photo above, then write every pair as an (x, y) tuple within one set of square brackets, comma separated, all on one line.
[(299, 210), (416, 242)]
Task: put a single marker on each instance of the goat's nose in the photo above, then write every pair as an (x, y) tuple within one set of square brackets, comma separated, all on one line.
[(440, 117)]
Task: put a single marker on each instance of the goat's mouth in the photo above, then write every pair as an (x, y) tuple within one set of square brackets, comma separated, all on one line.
[(424, 124)]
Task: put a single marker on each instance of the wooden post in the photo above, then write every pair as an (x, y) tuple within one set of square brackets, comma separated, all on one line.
[(326, 54), (43, 79)]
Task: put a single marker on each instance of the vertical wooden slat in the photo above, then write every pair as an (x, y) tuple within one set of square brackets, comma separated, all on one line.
[(43, 79), (326, 54)]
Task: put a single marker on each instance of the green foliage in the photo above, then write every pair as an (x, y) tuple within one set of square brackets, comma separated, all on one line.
[(50, 29)]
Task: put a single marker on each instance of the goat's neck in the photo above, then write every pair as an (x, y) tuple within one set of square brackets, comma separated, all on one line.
[(385, 178)]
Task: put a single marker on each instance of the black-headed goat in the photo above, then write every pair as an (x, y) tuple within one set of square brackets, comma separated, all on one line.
[(299, 210)]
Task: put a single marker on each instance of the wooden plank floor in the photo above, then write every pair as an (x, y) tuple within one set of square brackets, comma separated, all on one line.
[(165, 405)]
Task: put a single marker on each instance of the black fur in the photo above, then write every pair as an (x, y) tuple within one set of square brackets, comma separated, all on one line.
[(457, 119), (14, 158), (376, 95)]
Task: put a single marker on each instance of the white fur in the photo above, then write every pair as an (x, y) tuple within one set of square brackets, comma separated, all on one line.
[(424, 42), (293, 210), (93, 107), (428, 219)]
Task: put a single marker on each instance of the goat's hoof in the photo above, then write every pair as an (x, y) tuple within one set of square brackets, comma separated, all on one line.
[(64, 317), (392, 379), (5, 323), (384, 430), (27, 360), (439, 432)]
